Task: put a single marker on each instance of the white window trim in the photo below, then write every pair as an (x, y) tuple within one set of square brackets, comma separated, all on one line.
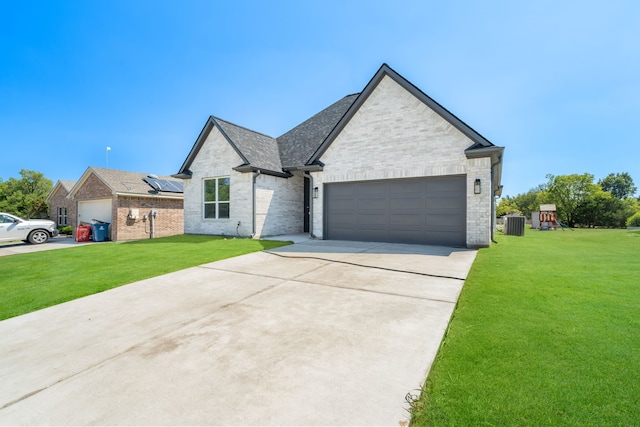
[(62, 216), (216, 202)]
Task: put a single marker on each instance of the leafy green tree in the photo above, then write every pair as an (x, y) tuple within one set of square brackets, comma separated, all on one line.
[(570, 194), (599, 208), (506, 206), (26, 196), (620, 185), (634, 220), (524, 203)]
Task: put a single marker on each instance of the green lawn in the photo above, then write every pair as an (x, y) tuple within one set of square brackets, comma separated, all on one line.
[(37, 280), (546, 332)]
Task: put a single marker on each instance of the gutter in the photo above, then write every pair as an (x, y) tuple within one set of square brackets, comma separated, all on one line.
[(493, 200), (253, 198)]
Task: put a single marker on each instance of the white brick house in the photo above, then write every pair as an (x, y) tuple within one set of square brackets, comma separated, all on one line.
[(387, 164)]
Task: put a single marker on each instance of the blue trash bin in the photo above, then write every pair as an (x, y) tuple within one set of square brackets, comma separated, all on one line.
[(100, 231)]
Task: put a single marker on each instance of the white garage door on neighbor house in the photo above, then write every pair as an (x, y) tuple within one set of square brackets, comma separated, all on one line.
[(90, 210)]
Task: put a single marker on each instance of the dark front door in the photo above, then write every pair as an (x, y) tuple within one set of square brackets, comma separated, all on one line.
[(307, 201)]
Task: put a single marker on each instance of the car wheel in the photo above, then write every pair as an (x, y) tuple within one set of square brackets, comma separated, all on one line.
[(38, 236)]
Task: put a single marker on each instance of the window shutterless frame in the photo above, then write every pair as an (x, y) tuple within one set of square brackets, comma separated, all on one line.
[(216, 198)]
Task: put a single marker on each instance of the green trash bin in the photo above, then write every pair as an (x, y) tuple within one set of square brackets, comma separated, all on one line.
[(100, 231)]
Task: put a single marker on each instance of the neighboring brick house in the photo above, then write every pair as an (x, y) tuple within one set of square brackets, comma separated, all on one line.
[(61, 209), (127, 200), (388, 164)]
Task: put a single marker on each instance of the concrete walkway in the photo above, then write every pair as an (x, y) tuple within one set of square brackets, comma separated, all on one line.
[(317, 333)]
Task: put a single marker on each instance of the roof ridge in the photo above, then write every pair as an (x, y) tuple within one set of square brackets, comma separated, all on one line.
[(216, 118)]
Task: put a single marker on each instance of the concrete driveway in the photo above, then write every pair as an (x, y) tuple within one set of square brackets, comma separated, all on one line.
[(60, 242), (317, 333)]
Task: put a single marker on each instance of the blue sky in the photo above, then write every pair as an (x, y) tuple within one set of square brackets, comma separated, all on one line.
[(556, 83)]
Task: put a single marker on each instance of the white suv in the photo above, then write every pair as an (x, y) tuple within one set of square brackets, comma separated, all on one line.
[(34, 231)]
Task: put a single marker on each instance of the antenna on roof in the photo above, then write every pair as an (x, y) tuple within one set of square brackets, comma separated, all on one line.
[(108, 149)]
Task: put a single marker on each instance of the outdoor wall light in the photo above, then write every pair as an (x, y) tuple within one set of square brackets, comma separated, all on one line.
[(315, 192), (476, 186)]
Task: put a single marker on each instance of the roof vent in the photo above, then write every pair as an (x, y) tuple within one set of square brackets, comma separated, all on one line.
[(152, 175)]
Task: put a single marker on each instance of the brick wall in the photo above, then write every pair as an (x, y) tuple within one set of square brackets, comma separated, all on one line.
[(479, 210), (168, 222), (92, 189), (216, 159), (279, 205), (59, 200), (395, 135)]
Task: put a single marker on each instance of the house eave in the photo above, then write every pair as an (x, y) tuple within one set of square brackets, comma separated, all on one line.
[(249, 168), (494, 152), (183, 175), (318, 167)]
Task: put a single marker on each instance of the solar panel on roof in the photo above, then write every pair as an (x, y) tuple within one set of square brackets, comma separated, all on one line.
[(165, 185)]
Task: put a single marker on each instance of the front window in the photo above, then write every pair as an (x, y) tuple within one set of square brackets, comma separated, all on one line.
[(62, 216), (216, 197)]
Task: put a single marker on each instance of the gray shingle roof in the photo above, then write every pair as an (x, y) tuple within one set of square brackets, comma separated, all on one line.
[(298, 145), (67, 184), (305, 144), (259, 150)]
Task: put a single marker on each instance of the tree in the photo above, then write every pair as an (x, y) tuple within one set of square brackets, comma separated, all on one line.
[(25, 196), (570, 193), (620, 185), (507, 206), (600, 208), (523, 203)]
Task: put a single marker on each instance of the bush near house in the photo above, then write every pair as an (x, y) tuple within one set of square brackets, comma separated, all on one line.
[(66, 229)]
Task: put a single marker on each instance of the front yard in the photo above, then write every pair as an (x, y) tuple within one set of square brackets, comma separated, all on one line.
[(37, 280), (546, 332)]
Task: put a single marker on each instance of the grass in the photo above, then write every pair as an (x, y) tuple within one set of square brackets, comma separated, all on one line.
[(546, 332), (33, 281)]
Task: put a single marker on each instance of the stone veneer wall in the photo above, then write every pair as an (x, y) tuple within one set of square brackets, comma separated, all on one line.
[(279, 205), (395, 135), (216, 159)]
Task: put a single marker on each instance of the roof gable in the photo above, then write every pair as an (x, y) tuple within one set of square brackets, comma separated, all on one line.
[(123, 183), (62, 185), (385, 70), (256, 150)]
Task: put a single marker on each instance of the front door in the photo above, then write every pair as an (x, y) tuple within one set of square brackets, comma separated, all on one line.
[(307, 201)]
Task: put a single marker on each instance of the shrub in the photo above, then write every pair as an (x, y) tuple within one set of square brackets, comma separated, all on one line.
[(634, 220), (67, 229)]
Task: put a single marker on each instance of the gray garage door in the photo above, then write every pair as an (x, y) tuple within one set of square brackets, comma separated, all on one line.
[(430, 211)]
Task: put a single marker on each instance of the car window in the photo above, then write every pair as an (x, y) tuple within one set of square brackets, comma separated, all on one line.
[(4, 218)]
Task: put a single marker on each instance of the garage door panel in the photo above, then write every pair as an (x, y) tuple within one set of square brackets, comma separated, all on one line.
[(411, 220), (89, 210), (371, 204), (413, 210)]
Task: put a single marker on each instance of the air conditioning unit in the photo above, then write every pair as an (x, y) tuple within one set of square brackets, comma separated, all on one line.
[(514, 225)]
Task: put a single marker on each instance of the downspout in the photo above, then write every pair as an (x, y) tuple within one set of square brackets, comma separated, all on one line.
[(308, 175), (493, 203), (253, 186)]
